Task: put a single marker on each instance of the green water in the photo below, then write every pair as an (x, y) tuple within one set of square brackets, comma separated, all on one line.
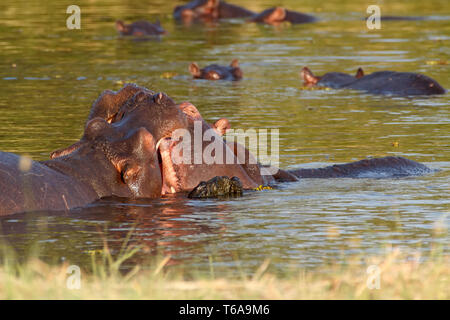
[(49, 77)]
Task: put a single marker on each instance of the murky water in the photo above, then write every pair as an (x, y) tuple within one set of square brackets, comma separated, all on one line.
[(49, 77)]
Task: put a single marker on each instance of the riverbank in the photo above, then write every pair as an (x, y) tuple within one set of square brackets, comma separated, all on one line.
[(392, 276)]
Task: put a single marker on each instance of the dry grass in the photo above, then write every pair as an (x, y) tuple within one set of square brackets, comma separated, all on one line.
[(400, 278)]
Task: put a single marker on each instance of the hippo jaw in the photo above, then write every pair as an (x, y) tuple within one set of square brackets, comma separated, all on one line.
[(170, 179)]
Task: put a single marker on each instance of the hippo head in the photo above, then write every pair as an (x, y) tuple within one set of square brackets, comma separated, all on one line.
[(123, 28), (126, 126), (273, 16), (216, 72), (168, 132), (310, 80), (198, 153), (140, 28), (198, 9), (189, 149), (125, 163)]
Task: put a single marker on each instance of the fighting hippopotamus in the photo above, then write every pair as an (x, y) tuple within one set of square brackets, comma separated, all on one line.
[(108, 163), (141, 144), (166, 121), (209, 10), (217, 72), (181, 171), (278, 15), (140, 28), (111, 159), (381, 82)]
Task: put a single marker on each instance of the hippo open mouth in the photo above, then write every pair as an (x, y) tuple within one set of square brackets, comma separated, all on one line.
[(170, 179)]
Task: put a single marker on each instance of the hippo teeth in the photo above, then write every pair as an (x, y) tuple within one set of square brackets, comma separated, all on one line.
[(168, 174)]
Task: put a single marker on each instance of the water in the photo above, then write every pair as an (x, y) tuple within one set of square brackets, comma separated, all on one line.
[(49, 77)]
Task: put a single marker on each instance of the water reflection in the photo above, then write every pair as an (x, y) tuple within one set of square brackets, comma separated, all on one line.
[(57, 74), (171, 226)]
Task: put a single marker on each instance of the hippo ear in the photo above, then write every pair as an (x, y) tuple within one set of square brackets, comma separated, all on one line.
[(213, 3), (65, 151), (120, 26), (190, 110), (221, 126), (359, 73), (308, 77), (109, 102), (278, 14), (234, 63), (194, 69), (95, 128), (137, 163)]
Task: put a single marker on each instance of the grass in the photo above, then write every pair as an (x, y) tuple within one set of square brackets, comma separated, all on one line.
[(401, 277)]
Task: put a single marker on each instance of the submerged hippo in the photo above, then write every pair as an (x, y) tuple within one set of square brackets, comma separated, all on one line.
[(209, 10), (140, 28), (277, 15), (141, 144), (381, 82), (217, 72)]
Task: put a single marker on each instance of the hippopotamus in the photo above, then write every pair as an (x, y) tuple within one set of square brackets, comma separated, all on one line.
[(217, 72), (209, 10), (179, 176), (141, 144), (113, 158), (381, 82), (140, 28), (108, 163), (128, 109), (277, 15), (401, 18)]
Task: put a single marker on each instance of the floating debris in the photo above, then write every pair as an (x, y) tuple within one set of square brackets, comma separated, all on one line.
[(261, 187), (168, 75), (436, 62)]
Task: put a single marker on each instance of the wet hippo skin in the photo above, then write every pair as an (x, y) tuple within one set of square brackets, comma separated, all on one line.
[(208, 10), (108, 163), (129, 148), (217, 72), (381, 82), (277, 15), (140, 28)]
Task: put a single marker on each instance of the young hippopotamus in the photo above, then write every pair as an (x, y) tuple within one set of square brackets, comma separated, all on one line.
[(381, 82), (140, 28), (209, 10), (216, 72), (278, 15)]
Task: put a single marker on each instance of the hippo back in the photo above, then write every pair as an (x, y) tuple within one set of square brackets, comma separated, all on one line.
[(336, 80), (298, 17), (27, 185), (397, 83)]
